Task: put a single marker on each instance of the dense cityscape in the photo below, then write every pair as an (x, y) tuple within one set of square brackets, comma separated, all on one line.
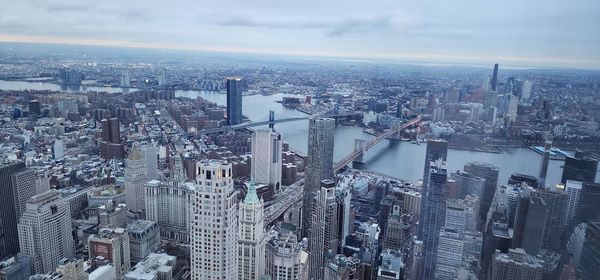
[(299, 140), (119, 167)]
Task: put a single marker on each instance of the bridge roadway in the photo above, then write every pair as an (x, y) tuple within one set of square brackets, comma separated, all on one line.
[(284, 120), (292, 194)]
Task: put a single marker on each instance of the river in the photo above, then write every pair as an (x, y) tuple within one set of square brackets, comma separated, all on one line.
[(399, 159)]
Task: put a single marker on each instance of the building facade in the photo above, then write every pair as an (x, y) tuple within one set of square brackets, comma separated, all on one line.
[(9, 240), (266, 163), (112, 244), (323, 232), (490, 174), (285, 258), (214, 228), (234, 100), (319, 164), (432, 218), (45, 234), (136, 177), (251, 242), (144, 238)]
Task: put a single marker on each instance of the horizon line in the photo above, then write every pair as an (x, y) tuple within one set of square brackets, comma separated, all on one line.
[(458, 60)]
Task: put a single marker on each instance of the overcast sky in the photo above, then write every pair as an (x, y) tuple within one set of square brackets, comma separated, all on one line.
[(522, 32)]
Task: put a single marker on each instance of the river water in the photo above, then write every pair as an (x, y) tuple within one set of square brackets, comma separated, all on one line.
[(399, 159)]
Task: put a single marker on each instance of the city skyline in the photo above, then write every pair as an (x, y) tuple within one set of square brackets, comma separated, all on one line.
[(136, 164), (458, 32)]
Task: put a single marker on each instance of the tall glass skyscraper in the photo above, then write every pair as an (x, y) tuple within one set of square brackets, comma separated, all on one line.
[(234, 100), (490, 174), (319, 164), (580, 167), (433, 215), (436, 149)]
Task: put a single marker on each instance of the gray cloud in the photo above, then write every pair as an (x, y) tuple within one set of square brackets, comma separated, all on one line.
[(460, 28), (331, 27), (66, 7)]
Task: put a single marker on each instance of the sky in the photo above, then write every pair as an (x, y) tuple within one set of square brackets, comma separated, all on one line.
[(531, 32)]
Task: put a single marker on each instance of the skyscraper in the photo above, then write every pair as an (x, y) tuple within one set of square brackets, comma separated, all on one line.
[(135, 178), (573, 190), (433, 213), (319, 164), (251, 242), (580, 167), (24, 187), (490, 174), (234, 100), (214, 230), (530, 221), (323, 231), (34, 107), (494, 81), (45, 231), (150, 152), (110, 146), (162, 77), (266, 158), (17, 185), (286, 260), (392, 239), (436, 149), (168, 204), (451, 241), (125, 79), (110, 130), (589, 266), (449, 255), (589, 208), (556, 203), (468, 184), (526, 91), (544, 167)]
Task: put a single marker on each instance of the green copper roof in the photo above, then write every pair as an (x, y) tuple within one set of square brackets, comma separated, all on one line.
[(251, 196)]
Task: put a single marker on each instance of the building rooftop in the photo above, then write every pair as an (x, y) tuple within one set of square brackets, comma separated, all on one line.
[(150, 266)]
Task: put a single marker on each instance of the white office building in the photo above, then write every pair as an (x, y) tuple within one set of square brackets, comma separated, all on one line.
[(168, 204), (324, 227), (214, 228), (45, 231), (136, 176), (285, 258), (266, 158), (251, 242), (573, 190)]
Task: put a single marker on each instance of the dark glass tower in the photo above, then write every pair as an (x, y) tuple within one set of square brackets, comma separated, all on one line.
[(530, 221), (490, 174), (436, 149), (580, 167), (589, 206), (234, 101), (589, 266), (494, 81), (9, 239), (544, 167), (432, 217)]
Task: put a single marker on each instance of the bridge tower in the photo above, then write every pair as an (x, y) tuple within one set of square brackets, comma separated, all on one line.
[(359, 145), (271, 120), (396, 125)]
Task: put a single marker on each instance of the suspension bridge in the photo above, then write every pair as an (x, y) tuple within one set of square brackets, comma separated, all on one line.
[(292, 194)]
